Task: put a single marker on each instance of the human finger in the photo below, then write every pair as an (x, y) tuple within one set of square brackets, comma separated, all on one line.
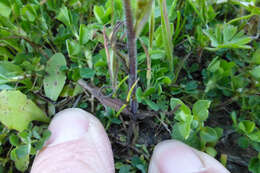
[(78, 143)]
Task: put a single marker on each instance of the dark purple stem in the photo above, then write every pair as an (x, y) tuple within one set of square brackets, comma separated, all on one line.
[(131, 43)]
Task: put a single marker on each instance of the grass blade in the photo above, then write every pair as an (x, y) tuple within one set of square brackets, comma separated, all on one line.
[(151, 26), (142, 14), (166, 33)]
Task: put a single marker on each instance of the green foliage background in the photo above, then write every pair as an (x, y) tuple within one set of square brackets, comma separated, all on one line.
[(198, 68)]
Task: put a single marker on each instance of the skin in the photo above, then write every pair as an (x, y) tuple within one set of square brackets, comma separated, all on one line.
[(80, 144)]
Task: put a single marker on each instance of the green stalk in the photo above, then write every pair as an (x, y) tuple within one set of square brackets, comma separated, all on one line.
[(166, 33), (151, 26), (240, 18), (151, 32)]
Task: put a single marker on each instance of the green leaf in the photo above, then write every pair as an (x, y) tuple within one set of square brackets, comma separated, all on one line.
[(234, 117), (139, 94), (5, 10), (256, 72), (125, 169), (226, 36), (157, 54), (99, 13), (255, 136), (138, 163), (246, 126), (20, 155), (4, 52), (164, 80), (152, 105), (158, 37), (243, 142), (192, 85), (29, 12), (35, 132), (14, 140), (211, 151), (239, 82), (254, 165), (73, 47), (22, 164), (219, 131), (256, 57), (87, 73), (84, 34), (143, 11), (200, 109), (210, 85), (151, 25), (10, 72), (149, 92), (175, 102), (226, 68), (229, 32), (250, 5), (64, 16), (208, 134), (25, 136), (54, 5), (166, 33), (192, 140), (198, 8), (66, 91), (141, 167), (17, 111), (183, 113), (185, 127), (22, 151), (55, 78), (214, 65)]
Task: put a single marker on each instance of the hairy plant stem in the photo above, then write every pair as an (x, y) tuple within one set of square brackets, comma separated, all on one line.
[(131, 44)]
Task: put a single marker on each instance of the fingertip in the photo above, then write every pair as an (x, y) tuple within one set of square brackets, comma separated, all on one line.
[(172, 156), (78, 139), (211, 164), (67, 125)]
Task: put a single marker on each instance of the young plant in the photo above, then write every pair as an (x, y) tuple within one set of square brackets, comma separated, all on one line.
[(190, 126), (227, 36)]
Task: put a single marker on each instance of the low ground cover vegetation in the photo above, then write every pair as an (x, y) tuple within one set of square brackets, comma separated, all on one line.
[(149, 70)]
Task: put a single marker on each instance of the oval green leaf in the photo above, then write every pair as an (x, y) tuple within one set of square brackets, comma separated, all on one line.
[(17, 111), (55, 78)]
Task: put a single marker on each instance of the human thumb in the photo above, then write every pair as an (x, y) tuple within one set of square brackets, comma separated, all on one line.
[(78, 143), (172, 156)]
